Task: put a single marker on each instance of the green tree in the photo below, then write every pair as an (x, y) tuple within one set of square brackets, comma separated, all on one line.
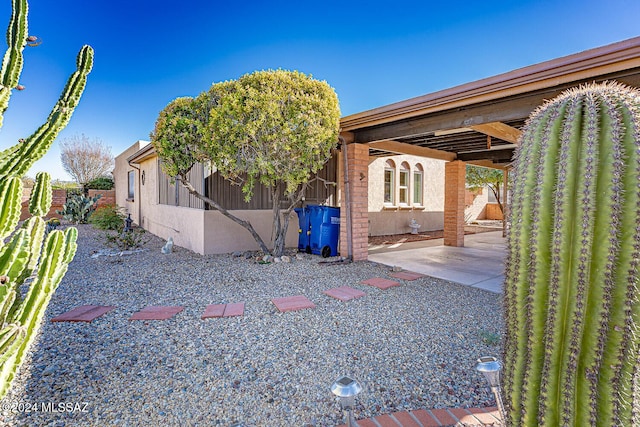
[(478, 177), (272, 127)]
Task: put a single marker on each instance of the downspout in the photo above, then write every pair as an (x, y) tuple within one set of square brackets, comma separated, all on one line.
[(139, 191), (347, 197)]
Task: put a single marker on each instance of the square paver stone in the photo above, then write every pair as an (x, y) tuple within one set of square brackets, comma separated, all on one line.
[(406, 275), (84, 313), (158, 312), (298, 302), (380, 283), (344, 293), (223, 310)]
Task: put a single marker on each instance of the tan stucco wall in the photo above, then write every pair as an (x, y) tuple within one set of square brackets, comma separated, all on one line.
[(120, 172), (222, 235), (204, 232), (395, 220), (475, 205)]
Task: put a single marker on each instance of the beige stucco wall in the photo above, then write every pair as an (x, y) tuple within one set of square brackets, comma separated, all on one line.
[(385, 219), (476, 209), (120, 179), (204, 232)]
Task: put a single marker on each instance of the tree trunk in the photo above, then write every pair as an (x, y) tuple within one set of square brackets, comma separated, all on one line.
[(281, 218), (246, 224), (496, 193)]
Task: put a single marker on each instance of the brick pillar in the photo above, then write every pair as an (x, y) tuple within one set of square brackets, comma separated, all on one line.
[(454, 203), (358, 169)]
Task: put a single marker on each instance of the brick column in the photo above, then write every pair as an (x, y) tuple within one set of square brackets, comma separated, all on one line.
[(454, 203), (358, 168)]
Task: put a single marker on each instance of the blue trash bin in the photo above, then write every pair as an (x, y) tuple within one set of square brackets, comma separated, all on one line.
[(324, 222), (304, 231)]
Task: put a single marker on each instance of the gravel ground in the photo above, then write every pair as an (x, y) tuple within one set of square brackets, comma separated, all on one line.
[(411, 347)]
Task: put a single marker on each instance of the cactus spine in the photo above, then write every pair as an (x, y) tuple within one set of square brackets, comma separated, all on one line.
[(26, 256), (571, 305)]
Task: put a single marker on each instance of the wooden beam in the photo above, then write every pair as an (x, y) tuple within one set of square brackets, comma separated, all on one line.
[(499, 130), (500, 156), (499, 111), (415, 150), (486, 164)]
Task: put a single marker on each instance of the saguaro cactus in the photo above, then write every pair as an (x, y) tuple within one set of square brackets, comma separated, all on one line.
[(26, 256), (571, 288)]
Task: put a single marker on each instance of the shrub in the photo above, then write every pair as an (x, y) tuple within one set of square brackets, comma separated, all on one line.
[(108, 217), (127, 240), (102, 183), (79, 208)]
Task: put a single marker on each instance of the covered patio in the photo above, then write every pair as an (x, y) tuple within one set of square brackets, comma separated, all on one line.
[(475, 123)]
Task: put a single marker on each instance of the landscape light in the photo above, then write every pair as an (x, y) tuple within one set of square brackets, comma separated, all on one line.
[(347, 389), (490, 367)]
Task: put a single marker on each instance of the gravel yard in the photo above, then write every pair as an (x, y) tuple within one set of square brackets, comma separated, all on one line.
[(411, 347)]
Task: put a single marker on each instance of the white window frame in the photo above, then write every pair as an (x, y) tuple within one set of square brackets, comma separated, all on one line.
[(404, 188), (392, 185), (418, 188)]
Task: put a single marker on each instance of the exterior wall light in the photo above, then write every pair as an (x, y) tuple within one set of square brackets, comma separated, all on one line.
[(490, 367), (347, 389)]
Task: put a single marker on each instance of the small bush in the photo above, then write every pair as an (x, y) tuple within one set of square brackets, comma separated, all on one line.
[(127, 240), (102, 183), (108, 217)]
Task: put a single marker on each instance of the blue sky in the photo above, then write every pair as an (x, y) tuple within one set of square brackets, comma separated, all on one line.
[(373, 53)]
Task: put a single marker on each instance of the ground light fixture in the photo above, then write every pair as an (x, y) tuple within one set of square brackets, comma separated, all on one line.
[(347, 389), (490, 367), (127, 224)]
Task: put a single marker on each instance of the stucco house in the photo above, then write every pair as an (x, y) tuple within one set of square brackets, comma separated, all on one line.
[(474, 123), (405, 187)]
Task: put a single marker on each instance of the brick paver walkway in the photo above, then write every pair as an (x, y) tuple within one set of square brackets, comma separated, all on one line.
[(458, 417)]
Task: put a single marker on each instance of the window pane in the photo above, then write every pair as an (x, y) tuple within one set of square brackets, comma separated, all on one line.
[(131, 184), (403, 194), (417, 188), (388, 186), (404, 187)]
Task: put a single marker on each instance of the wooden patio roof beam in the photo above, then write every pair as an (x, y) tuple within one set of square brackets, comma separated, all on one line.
[(415, 150), (499, 130)]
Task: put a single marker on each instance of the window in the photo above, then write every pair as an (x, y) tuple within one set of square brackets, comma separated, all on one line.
[(404, 184), (404, 187), (388, 186), (131, 184), (417, 186)]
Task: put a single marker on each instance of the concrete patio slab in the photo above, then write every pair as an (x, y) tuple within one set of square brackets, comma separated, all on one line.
[(84, 313), (480, 263)]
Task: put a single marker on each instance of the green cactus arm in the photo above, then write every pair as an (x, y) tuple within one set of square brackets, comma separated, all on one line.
[(10, 207), (35, 227), (18, 162), (40, 200), (11, 338), (13, 59), (57, 250), (13, 260)]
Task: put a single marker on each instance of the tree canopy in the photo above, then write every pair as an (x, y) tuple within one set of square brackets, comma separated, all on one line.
[(480, 177), (85, 159), (273, 127)]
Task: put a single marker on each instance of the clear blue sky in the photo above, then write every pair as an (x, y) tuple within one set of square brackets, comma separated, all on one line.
[(373, 53)]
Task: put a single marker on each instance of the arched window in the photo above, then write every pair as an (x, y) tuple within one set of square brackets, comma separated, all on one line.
[(418, 185), (389, 182), (404, 184)]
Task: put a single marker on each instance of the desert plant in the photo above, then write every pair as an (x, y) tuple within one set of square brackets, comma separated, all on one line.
[(571, 304), (108, 217), (26, 255), (78, 208), (127, 240)]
